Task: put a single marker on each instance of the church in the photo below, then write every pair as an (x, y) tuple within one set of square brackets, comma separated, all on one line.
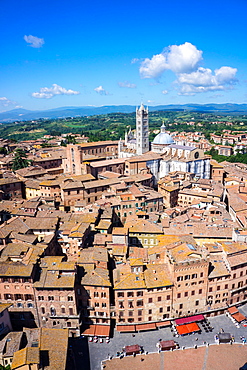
[(172, 157)]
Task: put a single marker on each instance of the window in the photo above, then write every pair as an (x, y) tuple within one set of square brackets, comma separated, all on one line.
[(139, 294), (63, 309), (150, 300), (103, 304), (131, 313), (201, 274), (181, 306), (200, 291), (210, 289), (179, 295), (120, 294), (161, 310), (40, 298), (168, 297), (139, 312), (197, 303), (194, 276), (187, 277), (186, 294), (71, 312), (193, 292), (180, 278), (130, 294), (130, 304), (29, 305), (121, 305), (168, 308), (226, 286), (50, 298), (43, 310), (53, 311), (139, 303), (159, 299), (150, 312), (218, 287)]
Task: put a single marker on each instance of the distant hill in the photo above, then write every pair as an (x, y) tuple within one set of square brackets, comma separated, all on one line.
[(25, 115)]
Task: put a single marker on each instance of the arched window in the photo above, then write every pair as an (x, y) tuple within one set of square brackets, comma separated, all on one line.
[(53, 311)]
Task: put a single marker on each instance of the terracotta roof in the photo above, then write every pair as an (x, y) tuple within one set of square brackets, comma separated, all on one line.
[(4, 306), (218, 268), (55, 341), (95, 276), (145, 227), (26, 356), (15, 269)]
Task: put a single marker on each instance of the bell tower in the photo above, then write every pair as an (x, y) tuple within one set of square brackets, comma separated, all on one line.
[(142, 140)]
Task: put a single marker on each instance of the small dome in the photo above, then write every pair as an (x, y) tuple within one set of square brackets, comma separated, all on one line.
[(163, 137)]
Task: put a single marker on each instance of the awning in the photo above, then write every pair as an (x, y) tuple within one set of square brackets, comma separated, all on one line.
[(166, 345), (186, 320), (192, 327), (238, 316), (129, 350), (126, 328), (232, 310), (182, 330), (188, 328), (148, 326), (162, 324), (90, 330), (102, 330)]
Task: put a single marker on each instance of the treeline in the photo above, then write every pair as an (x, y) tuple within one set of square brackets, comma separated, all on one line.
[(113, 126), (234, 158)]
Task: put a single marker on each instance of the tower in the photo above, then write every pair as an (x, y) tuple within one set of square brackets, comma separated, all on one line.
[(142, 141)]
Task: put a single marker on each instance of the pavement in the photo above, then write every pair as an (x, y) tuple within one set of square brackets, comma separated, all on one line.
[(97, 352)]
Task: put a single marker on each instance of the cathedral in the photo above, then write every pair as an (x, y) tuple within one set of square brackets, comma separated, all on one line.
[(172, 157)]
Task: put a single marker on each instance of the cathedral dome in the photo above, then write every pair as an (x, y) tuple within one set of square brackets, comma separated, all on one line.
[(163, 138)]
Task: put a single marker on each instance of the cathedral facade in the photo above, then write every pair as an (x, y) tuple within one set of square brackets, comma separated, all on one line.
[(172, 157)]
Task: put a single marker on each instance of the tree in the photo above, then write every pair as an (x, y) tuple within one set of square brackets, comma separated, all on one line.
[(70, 139), (3, 150), (5, 367), (20, 160)]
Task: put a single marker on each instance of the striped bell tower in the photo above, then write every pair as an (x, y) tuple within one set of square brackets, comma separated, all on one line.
[(142, 130)]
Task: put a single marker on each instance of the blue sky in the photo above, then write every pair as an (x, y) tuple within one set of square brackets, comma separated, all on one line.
[(78, 53)]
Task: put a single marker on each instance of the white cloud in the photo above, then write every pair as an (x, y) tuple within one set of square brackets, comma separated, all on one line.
[(100, 90), (5, 102), (127, 84), (183, 58), (204, 80), (184, 61), (153, 68), (134, 60), (177, 58), (164, 92), (35, 42), (49, 92)]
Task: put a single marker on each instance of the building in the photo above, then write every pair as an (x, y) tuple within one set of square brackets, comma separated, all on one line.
[(138, 143)]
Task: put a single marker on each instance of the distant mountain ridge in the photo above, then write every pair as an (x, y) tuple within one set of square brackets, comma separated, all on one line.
[(63, 112)]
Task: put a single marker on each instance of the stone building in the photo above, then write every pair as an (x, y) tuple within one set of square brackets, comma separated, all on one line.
[(56, 294)]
